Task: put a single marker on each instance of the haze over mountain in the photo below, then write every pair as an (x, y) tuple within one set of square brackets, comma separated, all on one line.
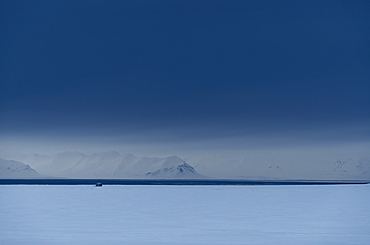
[(283, 168), (73, 164)]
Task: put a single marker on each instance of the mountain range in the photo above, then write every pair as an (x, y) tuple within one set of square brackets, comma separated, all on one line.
[(111, 164), (284, 168)]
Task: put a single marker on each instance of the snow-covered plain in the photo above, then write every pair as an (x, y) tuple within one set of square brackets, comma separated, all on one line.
[(42, 214)]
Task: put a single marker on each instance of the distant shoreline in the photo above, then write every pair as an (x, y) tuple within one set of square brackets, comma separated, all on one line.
[(176, 182)]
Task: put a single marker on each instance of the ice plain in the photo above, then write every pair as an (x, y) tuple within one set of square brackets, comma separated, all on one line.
[(151, 215)]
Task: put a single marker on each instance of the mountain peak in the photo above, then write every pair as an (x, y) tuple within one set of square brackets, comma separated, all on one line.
[(174, 167)]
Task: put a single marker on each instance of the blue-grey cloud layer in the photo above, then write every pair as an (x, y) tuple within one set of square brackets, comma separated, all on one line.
[(100, 64)]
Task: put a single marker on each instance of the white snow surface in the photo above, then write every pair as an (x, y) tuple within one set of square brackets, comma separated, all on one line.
[(184, 215)]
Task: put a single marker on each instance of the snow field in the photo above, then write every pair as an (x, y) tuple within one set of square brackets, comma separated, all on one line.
[(41, 214)]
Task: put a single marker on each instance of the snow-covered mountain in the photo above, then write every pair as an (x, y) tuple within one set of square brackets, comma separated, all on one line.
[(170, 167), (110, 164), (10, 169)]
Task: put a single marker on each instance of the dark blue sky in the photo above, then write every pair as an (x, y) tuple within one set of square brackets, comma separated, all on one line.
[(136, 65)]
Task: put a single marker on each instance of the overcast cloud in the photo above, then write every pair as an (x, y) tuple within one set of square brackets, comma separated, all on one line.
[(184, 77)]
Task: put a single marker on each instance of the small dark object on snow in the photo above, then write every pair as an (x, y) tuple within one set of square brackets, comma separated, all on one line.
[(99, 184)]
